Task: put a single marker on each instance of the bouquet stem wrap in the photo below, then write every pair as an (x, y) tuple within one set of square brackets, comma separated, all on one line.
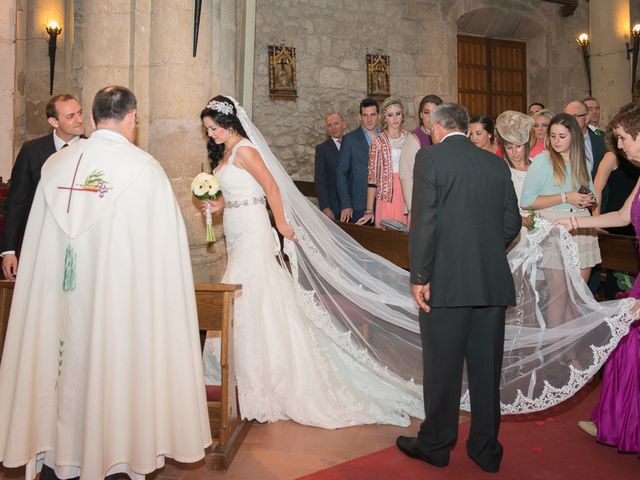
[(210, 237)]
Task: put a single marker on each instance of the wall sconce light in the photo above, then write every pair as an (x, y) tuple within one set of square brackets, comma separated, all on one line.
[(53, 29), (584, 41), (635, 34)]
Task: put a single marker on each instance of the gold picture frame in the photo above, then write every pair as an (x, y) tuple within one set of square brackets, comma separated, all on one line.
[(378, 85), (283, 84)]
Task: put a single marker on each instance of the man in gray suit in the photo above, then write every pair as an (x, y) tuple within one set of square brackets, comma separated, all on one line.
[(353, 164), (464, 215), (327, 154), (594, 147)]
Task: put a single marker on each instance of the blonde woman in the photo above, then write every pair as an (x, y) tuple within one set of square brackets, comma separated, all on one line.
[(384, 168), (539, 129)]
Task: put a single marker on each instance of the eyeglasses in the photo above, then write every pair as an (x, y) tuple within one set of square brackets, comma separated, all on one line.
[(540, 125)]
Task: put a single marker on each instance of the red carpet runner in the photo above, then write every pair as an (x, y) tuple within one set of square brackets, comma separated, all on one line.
[(544, 446)]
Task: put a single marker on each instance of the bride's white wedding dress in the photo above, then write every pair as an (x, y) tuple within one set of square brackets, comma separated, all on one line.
[(289, 361), (336, 342)]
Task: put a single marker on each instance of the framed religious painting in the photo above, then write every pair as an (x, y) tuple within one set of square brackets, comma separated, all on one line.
[(282, 73), (378, 76)]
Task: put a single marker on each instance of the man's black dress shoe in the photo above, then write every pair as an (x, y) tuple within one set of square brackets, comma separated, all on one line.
[(410, 446)]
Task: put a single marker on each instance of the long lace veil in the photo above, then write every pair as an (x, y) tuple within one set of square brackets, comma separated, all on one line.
[(557, 337)]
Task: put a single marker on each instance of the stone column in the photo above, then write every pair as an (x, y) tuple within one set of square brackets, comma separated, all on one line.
[(8, 66), (179, 86), (106, 30), (610, 70)]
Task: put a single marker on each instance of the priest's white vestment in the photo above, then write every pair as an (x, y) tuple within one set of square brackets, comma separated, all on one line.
[(101, 370)]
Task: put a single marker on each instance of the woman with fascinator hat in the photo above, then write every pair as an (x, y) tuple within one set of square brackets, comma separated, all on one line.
[(514, 128), (335, 341)]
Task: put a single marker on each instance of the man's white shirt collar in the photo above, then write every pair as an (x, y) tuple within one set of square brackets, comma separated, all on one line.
[(59, 143)]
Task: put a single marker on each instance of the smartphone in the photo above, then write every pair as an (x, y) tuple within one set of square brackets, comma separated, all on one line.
[(584, 190)]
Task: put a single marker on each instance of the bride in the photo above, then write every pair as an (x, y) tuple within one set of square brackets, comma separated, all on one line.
[(291, 362), (336, 342)]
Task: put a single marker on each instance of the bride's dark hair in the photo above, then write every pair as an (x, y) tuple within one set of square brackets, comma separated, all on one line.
[(221, 110)]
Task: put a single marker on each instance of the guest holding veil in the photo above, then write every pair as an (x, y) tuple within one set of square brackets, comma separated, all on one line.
[(420, 138), (384, 168), (616, 417), (559, 184)]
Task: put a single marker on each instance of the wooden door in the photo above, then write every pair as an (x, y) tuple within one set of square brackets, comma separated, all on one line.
[(492, 75)]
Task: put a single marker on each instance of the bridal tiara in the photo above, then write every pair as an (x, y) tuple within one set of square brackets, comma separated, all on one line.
[(222, 107)]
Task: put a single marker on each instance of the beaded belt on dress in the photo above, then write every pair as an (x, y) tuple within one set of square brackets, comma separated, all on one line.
[(245, 202)]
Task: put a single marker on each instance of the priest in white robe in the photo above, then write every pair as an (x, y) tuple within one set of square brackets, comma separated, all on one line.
[(101, 371)]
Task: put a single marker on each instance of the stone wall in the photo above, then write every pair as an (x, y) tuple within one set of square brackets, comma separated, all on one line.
[(7, 85), (146, 45), (332, 38)]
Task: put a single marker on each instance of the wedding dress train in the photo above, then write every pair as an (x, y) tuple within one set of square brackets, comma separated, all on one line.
[(336, 342)]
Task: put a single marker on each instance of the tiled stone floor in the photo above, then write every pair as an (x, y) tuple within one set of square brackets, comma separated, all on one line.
[(283, 450)]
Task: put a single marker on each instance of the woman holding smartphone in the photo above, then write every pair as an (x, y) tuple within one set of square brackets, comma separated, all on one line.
[(558, 185)]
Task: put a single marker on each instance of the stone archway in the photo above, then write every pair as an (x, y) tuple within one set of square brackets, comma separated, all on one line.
[(510, 24)]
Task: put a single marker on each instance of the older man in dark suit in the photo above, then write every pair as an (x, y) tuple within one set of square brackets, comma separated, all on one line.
[(64, 114), (465, 213), (353, 165), (327, 154)]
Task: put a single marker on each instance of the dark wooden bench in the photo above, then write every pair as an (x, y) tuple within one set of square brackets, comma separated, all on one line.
[(215, 314), (618, 252)]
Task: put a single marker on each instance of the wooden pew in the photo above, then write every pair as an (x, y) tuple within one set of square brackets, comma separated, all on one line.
[(308, 189), (618, 252), (215, 314), (392, 245)]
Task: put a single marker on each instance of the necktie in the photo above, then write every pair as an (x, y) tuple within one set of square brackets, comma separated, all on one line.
[(64, 146)]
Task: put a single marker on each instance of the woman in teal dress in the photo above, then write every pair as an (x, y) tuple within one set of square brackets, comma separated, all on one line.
[(555, 182)]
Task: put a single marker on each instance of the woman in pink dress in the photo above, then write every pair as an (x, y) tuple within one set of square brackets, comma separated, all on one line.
[(616, 417), (385, 189)]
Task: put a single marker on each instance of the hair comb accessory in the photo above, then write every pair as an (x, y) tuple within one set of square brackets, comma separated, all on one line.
[(222, 107)]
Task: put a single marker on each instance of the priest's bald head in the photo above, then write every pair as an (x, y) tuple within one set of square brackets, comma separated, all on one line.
[(116, 108)]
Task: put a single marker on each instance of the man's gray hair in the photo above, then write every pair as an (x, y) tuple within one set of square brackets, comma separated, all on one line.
[(451, 116)]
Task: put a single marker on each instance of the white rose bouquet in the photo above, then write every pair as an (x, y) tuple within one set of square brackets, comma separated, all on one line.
[(205, 186)]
